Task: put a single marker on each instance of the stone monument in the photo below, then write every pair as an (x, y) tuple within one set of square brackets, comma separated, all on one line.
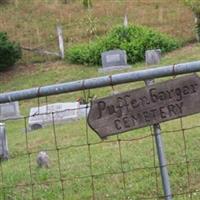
[(3, 143), (114, 60), (152, 57), (9, 110), (59, 112)]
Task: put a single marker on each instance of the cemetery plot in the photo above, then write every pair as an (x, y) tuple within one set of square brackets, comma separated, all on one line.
[(145, 106)]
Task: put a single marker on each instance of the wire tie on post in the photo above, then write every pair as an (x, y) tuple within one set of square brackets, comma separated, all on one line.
[(111, 83), (38, 95), (173, 71)]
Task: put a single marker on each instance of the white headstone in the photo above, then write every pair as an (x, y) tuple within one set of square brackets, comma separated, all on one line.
[(62, 112), (3, 143), (9, 110), (114, 60), (83, 110)]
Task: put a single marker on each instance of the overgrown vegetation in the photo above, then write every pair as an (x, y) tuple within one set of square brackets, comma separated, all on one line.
[(10, 52), (195, 6), (87, 3), (134, 39)]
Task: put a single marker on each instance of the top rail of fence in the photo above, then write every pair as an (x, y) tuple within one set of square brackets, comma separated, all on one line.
[(103, 81)]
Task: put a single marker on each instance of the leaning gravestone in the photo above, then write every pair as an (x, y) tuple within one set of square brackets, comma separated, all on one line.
[(114, 60), (59, 112), (9, 111), (3, 143)]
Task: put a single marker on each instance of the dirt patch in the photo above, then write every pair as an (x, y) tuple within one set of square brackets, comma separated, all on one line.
[(22, 69)]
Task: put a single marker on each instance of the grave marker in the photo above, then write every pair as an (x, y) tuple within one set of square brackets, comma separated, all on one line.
[(114, 60), (3, 143), (152, 57), (9, 110), (62, 112)]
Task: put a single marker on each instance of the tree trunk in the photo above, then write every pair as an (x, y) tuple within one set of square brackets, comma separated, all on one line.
[(87, 3), (197, 26)]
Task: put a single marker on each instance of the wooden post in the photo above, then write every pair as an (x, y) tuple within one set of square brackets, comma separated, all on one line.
[(125, 21), (60, 41)]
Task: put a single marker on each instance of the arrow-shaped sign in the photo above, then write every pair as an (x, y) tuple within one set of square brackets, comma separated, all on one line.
[(145, 106)]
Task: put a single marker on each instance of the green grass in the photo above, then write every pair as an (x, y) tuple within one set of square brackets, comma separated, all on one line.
[(74, 165), (95, 169), (21, 179)]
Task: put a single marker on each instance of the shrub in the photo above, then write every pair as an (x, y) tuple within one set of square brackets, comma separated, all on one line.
[(135, 40), (195, 6), (10, 52)]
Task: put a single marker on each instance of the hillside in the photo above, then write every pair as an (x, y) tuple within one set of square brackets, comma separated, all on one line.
[(32, 23), (82, 166)]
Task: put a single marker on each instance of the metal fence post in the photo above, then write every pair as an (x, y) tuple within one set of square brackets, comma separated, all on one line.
[(162, 162), (153, 57), (161, 156)]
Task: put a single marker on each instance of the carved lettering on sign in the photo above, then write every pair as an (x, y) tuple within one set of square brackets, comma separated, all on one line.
[(145, 106)]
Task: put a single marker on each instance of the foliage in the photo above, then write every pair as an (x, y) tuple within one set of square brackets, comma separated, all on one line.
[(195, 6), (10, 52), (134, 39), (87, 3)]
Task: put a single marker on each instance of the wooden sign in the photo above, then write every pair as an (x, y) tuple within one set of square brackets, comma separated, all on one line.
[(145, 106)]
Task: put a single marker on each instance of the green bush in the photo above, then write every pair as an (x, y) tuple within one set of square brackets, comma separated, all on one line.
[(10, 52), (135, 40)]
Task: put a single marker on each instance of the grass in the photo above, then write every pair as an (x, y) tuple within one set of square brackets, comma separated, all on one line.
[(76, 160), (22, 18), (82, 166)]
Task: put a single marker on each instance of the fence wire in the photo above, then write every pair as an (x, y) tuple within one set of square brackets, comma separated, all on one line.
[(84, 167)]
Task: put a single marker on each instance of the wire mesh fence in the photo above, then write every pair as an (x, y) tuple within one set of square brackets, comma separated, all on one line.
[(82, 166)]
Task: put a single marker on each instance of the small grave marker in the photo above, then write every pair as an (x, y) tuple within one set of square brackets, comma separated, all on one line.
[(114, 60), (62, 112), (152, 57), (3, 143), (145, 106), (9, 111)]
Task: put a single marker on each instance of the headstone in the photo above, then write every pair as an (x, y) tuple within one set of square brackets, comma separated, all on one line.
[(9, 110), (3, 143), (42, 159), (152, 57), (62, 112), (83, 110), (114, 60)]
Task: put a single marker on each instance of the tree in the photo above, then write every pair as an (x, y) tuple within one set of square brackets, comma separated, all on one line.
[(87, 3), (195, 6), (10, 52)]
